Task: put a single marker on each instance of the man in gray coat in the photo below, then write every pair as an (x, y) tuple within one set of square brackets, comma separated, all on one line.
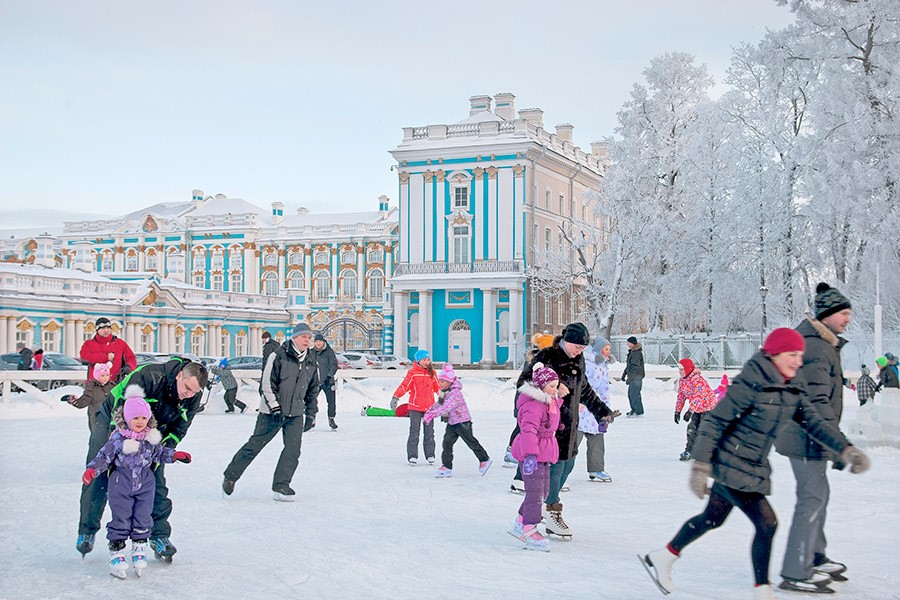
[(806, 567), (328, 366), (634, 377), (290, 383)]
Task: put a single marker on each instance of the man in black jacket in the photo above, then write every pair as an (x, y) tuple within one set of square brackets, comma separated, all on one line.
[(806, 566), (328, 366), (173, 391), (269, 346), (634, 377), (290, 383)]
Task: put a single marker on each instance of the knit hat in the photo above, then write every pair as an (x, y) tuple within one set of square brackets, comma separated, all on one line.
[(320, 338), (100, 369), (421, 355), (541, 375), (881, 361), (829, 301), (101, 322), (576, 333), (631, 340), (447, 373), (135, 404), (890, 356), (688, 365), (864, 370), (542, 340), (783, 339), (301, 329)]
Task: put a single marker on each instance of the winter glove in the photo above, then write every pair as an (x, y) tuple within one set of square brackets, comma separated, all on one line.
[(275, 411), (677, 417), (700, 472), (88, 476), (612, 416), (856, 458), (688, 415), (183, 457), (70, 398), (529, 464), (394, 402), (445, 419), (310, 423)]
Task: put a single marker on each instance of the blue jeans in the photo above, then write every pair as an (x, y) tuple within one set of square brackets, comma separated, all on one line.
[(559, 472), (634, 396)]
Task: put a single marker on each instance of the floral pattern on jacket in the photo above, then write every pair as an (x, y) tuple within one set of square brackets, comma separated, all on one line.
[(596, 368), (422, 385), (538, 416), (453, 405), (694, 389)]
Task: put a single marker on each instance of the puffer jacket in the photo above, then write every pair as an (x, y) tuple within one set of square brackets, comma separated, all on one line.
[(571, 373), (538, 417), (825, 385), (694, 389), (328, 364), (421, 384), (453, 406), (634, 364), (132, 455), (737, 435), (597, 369), (93, 396), (290, 381), (97, 349)]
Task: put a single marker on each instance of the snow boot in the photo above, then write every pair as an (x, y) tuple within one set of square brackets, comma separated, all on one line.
[(331, 423), (659, 566), (833, 569), (484, 466), (443, 472), (517, 487), (508, 460), (283, 493), (684, 456), (163, 548), (817, 583), (228, 486), (118, 564), (139, 550), (554, 522), (763, 592), (84, 543), (600, 476)]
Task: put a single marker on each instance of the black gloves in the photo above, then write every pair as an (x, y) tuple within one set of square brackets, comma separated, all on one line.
[(275, 411), (688, 415), (678, 417), (310, 423)]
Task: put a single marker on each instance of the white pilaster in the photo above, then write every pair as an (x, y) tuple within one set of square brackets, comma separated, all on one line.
[(360, 272), (4, 336), (335, 270), (489, 339), (69, 343), (425, 320), (162, 337), (480, 216), (79, 335), (400, 323), (515, 326)]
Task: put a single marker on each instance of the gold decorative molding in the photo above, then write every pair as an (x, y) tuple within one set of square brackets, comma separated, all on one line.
[(147, 329), (518, 170), (428, 175), (492, 172), (404, 177), (52, 327), (439, 175), (479, 173)]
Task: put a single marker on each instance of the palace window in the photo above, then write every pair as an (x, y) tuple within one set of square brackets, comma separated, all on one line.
[(348, 285), (50, 339), (107, 263), (224, 344), (460, 244), (270, 259), (151, 261), (270, 284), (295, 280), (237, 283), (322, 257), (199, 280), (348, 257), (217, 282), (197, 343), (295, 259), (376, 285), (240, 344), (131, 262), (218, 260), (461, 197), (322, 286), (175, 264), (376, 255)]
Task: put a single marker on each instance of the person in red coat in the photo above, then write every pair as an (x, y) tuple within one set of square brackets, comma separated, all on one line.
[(422, 384), (104, 347)]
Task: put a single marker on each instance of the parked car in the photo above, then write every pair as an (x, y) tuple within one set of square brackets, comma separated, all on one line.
[(360, 360), (53, 361), (145, 358), (209, 361), (389, 361), (342, 361), (245, 362)]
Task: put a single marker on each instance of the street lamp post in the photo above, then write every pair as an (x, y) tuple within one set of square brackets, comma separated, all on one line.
[(878, 331), (763, 321)]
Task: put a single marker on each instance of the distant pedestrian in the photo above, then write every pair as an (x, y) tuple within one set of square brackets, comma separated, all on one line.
[(37, 360), (634, 376), (25, 356), (887, 378), (328, 366), (865, 386), (230, 385)]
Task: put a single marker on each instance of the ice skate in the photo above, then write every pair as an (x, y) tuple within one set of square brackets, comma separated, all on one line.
[(484, 466), (163, 549), (534, 539), (332, 424), (118, 564), (659, 566), (817, 583), (602, 476), (508, 460), (84, 543), (833, 569), (283, 493), (684, 456), (517, 528), (362, 411), (228, 486), (517, 487), (412, 461), (554, 522), (443, 472), (430, 460), (139, 550)]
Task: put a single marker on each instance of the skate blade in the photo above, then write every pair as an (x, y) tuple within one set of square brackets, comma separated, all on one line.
[(163, 558), (563, 536), (652, 575), (118, 574), (837, 577), (138, 572)]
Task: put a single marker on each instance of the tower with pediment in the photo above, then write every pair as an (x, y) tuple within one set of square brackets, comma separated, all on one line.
[(478, 200)]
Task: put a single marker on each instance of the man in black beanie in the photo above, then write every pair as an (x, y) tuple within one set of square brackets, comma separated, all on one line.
[(806, 567), (634, 377)]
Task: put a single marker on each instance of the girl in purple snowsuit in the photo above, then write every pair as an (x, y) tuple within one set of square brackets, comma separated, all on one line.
[(132, 450), (535, 448)]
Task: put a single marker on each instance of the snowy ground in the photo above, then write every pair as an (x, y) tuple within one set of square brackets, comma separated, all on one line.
[(366, 525)]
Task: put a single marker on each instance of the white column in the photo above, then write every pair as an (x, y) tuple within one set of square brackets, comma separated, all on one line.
[(307, 276), (425, 321), (162, 338), (79, 335), (254, 332), (489, 342), (69, 346), (210, 341), (4, 339), (335, 269), (118, 260), (400, 322), (10, 334), (515, 326), (360, 273)]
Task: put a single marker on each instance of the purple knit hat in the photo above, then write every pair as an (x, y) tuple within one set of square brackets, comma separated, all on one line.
[(135, 404), (542, 375)]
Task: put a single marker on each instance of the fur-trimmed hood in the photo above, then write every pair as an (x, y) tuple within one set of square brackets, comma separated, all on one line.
[(529, 389), (130, 446), (824, 333)]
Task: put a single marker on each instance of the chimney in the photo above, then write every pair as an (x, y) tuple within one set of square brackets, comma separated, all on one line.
[(302, 210), (196, 198), (221, 196), (383, 206), (83, 261), (479, 104), (277, 213), (505, 106), (535, 116), (600, 150), (564, 132), (44, 255)]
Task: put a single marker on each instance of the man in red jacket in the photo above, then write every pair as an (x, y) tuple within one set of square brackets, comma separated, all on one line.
[(104, 347)]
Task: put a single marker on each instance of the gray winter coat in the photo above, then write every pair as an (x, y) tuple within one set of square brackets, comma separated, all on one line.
[(289, 382), (737, 435), (824, 383), (634, 364), (328, 364)]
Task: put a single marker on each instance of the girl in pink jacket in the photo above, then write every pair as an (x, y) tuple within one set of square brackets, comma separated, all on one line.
[(695, 391), (536, 449)]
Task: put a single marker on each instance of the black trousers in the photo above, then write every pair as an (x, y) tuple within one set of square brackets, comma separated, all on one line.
[(721, 501), (328, 388), (460, 431), (267, 427)]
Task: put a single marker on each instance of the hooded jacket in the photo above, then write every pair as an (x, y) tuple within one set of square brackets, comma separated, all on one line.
[(695, 391), (421, 384), (93, 396), (634, 364), (291, 382), (737, 435), (572, 375), (132, 456), (328, 364), (453, 405), (538, 417), (596, 367)]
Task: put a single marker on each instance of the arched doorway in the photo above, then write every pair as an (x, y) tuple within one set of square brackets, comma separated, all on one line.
[(350, 334), (460, 343)]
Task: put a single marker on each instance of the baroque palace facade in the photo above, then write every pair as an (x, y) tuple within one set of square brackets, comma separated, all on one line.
[(479, 202)]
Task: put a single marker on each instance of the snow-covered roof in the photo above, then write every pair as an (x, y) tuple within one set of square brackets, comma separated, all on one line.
[(21, 233), (167, 210), (350, 218), (481, 117), (222, 206), (54, 272)]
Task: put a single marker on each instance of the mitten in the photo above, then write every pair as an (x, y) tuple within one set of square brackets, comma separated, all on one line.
[(88, 476), (856, 458), (700, 472), (310, 423), (394, 402), (529, 464), (70, 398), (688, 415), (183, 457), (677, 417)]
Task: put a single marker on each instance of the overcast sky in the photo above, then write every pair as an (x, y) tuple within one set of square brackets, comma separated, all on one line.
[(107, 106)]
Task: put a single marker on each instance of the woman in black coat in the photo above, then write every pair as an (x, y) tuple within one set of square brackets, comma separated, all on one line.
[(733, 447)]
